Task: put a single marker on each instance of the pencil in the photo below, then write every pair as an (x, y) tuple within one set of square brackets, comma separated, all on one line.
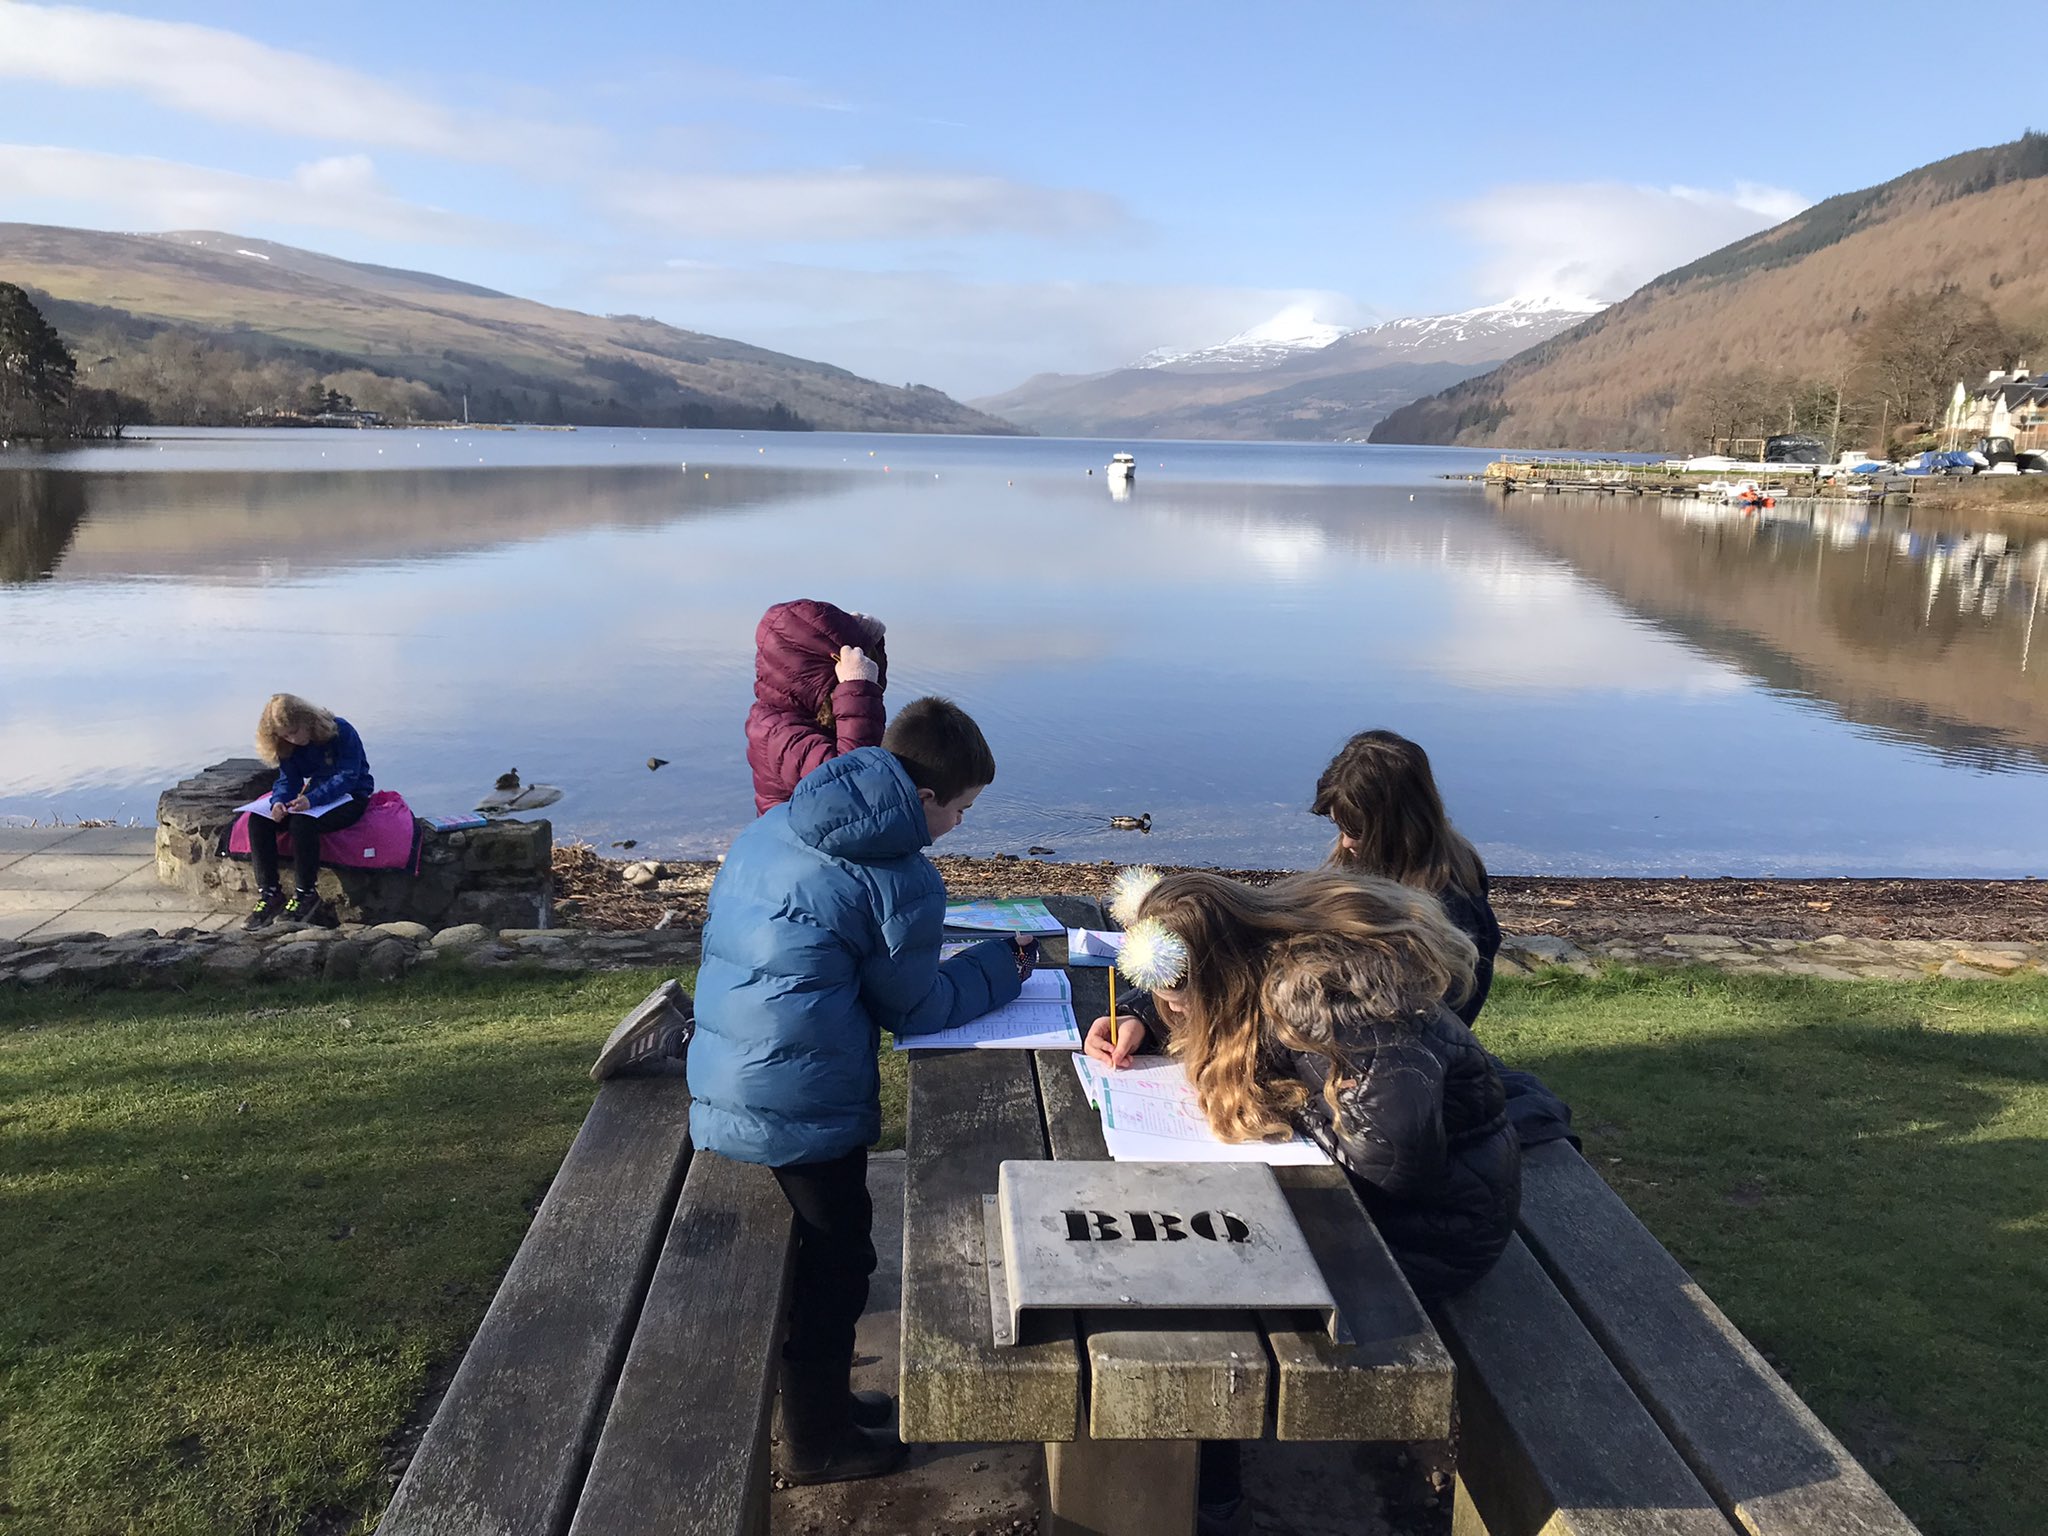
[(1112, 1010)]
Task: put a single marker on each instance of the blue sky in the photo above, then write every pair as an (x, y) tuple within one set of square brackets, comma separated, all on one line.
[(965, 195)]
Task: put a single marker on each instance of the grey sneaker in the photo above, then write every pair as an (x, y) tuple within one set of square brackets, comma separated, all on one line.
[(659, 1027)]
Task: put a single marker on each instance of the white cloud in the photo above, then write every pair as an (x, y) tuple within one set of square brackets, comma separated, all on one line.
[(963, 336), (136, 191), (227, 78), (1606, 239), (855, 203)]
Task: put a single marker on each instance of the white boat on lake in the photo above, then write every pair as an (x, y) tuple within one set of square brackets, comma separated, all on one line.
[(1123, 466)]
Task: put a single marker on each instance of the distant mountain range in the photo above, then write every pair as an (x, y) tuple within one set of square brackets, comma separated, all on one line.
[(1294, 377), (273, 314), (1790, 300)]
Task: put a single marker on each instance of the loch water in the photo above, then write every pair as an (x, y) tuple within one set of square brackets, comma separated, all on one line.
[(1606, 685)]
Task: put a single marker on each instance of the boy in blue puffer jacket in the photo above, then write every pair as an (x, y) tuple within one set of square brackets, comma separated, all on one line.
[(824, 928)]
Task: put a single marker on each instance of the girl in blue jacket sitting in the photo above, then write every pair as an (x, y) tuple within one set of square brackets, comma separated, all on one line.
[(320, 769)]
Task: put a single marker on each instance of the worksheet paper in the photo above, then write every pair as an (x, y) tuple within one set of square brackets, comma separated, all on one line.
[(1025, 914), (1041, 1019), (260, 806), (1150, 1114)]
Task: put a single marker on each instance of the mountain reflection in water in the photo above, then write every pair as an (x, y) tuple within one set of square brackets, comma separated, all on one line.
[(1923, 632)]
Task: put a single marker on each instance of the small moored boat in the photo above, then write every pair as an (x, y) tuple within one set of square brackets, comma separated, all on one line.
[(1123, 466)]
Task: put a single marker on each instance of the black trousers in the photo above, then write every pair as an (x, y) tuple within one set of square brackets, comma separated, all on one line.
[(835, 1254), (305, 831)]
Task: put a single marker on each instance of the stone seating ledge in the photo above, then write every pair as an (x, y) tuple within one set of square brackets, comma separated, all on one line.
[(500, 875)]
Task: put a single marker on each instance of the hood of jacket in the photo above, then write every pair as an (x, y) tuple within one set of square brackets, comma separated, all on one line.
[(861, 807), (796, 646)]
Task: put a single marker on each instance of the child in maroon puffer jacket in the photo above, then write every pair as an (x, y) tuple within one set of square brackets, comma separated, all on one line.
[(819, 672)]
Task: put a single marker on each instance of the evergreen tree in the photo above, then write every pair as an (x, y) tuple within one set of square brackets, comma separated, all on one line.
[(36, 368)]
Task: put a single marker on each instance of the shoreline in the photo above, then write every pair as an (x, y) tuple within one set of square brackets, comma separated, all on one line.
[(1579, 909)]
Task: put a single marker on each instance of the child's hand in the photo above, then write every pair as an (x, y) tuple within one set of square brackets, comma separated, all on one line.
[(1027, 955), (279, 809), (854, 667), (1130, 1034)]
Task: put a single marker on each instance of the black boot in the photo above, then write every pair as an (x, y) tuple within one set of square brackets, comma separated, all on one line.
[(873, 1410), (821, 1443)]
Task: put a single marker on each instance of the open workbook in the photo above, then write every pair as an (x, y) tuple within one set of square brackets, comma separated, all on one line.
[(1041, 1019), (1150, 1114)]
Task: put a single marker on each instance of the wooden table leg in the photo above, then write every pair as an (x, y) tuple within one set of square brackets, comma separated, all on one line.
[(1120, 1487)]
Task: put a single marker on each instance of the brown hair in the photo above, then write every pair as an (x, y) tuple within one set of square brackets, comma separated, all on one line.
[(288, 712), (1382, 796), (1277, 969), (940, 747)]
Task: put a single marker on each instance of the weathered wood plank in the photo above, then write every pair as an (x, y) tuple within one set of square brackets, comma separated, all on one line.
[(1551, 1440), (1760, 1451), (507, 1448), (968, 1111), (684, 1450), (1393, 1381)]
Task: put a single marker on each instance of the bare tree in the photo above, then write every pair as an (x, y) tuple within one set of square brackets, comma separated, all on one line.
[(1912, 352)]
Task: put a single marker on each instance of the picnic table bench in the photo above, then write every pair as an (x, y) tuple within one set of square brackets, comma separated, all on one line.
[(1601, 1393), (622, 1380)]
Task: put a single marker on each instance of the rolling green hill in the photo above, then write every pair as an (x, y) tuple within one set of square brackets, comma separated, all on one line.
[(208, 327)]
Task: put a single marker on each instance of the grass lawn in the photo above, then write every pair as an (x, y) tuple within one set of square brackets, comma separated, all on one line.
[(243, 1224), (1858, 1174)]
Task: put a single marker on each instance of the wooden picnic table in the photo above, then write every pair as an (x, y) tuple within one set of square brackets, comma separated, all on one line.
[(1121, 1401)]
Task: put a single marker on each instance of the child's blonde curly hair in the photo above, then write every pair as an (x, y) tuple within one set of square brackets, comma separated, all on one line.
[(1284, 968), (289, 712)]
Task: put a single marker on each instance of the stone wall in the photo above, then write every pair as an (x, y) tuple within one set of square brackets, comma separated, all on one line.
[(500, 875), (352, 952)]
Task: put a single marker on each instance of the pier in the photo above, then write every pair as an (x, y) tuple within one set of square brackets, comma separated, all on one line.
[(1610, 477)]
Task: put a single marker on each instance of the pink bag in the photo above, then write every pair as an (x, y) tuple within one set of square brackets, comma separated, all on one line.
[(386, 837)]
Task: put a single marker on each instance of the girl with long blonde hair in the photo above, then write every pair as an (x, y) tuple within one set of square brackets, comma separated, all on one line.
[(323, 785), (1316, 1004)]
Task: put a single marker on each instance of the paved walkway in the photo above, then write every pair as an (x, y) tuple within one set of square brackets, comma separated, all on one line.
[(90, 880)]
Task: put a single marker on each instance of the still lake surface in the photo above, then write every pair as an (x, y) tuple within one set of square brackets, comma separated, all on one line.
[(1606, 686)]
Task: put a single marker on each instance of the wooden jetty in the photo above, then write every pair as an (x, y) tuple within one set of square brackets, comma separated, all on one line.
[(1614, 477)]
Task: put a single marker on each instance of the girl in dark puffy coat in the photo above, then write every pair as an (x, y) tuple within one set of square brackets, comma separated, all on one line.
[(1390, 821), (1317, 1003), (819, 673)]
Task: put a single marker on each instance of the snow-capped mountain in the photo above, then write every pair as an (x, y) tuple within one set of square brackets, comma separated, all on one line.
[(1295, 376), (1288, 334), (1544, 313), (1296, 331)]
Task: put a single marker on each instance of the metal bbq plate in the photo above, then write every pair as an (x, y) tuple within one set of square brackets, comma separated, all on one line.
[(1108, 1237)]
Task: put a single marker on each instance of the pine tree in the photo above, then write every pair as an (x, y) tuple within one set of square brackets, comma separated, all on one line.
[(36, 369)]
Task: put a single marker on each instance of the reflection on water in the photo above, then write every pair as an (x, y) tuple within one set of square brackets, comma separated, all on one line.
[(1924, 632), (272, 524), (1606, 686), (39, 517)]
